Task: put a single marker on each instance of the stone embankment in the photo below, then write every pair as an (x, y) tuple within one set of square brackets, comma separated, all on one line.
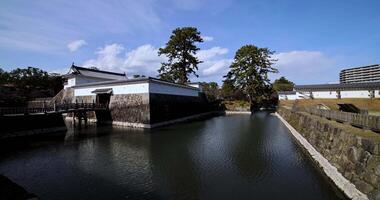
[(354, 152)]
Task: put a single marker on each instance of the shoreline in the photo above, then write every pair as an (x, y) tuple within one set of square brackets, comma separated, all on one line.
[(331, 172)]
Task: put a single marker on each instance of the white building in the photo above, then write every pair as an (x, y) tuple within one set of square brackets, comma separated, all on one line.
[(338, 91), (139, 102), (80, 75), (364, 74)]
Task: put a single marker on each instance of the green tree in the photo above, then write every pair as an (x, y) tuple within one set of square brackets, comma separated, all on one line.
[(180, 51), (138, 76), (249, 71), (30, 77), (283, 84), (4, 76), (27, 84), (211, 91), (230, 92)]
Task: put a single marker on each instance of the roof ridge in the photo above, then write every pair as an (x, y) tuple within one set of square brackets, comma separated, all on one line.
[(96, 70)]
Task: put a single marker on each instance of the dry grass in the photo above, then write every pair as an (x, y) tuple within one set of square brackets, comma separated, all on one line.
[(237, 105), (372, 105)]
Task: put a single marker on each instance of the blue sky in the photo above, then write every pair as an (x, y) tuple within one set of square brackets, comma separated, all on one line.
[(313, 40)]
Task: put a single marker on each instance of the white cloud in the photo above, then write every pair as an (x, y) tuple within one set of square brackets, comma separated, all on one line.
[(207, 38), (210, 53), (145, 60), (108, 58), (75, 45), (215, 64), (219, 67), (142, 60), (306, 67)]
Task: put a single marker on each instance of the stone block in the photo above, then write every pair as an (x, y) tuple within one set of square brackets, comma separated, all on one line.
[(375, 195), (363, 186), (353, 154)]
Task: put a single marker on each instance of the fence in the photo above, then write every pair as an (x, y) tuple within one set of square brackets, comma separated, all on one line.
[(62, 108), (364, 121)]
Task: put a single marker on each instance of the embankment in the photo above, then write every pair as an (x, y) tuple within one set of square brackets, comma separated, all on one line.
[(50, 124), (354, 152)]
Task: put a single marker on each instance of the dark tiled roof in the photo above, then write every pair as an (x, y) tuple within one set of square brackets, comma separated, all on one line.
[(355, 86), (96, 70), (102, 91)]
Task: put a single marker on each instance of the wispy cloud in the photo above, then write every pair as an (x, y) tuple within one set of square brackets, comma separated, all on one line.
[(207, 38), (142, 60), (306, 66), (47, 26), (76, 44)]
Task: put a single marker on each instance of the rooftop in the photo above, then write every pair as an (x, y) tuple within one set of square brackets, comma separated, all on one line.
[(76, 70), (355, 86)]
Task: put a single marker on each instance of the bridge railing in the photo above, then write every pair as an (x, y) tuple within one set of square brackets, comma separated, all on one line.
[(360, 120), (64, 107)]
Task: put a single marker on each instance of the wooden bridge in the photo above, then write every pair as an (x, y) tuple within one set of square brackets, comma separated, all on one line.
[(79, 110)]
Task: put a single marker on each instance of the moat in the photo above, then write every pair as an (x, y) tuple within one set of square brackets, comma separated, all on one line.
[(226, 157)]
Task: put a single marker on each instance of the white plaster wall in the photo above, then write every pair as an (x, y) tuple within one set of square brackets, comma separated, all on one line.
[(364, 94), (196, 85), (287, 97), (292, 97), (70, 83), (377, 93), (355, 94), (302, 95), (139, 88), (173, 90), (325, 95), (117, 89)]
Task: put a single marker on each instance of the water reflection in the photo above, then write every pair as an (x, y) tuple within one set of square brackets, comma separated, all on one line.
[(228, 157)]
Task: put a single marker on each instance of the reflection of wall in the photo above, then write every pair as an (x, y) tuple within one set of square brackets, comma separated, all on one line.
[(165, 107), (31, 125)]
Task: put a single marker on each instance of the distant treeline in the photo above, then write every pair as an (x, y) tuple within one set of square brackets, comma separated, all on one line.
[(20, 85)]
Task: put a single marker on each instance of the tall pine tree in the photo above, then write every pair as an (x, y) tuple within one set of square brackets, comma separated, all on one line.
[(249, 71), (181, 53)]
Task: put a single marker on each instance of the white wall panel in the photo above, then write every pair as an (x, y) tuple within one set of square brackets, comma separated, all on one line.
[(173, 90), (137, 88)]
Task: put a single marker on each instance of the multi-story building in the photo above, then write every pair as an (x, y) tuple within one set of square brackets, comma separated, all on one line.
[(364, 74)]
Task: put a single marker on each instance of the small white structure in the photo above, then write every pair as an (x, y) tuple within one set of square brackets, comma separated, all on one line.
[(287, 95), (85, 81), (80, 75), (338, 91), (135, 86)]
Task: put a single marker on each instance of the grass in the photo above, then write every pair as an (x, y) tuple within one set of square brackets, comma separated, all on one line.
[(372, 105)]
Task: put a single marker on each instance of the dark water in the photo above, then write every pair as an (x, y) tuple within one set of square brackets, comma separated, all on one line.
[(228, 157)]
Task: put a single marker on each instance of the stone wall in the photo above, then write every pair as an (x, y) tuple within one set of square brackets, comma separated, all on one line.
[(148, 109), (357, 157), (31, 125), (132, 108)]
